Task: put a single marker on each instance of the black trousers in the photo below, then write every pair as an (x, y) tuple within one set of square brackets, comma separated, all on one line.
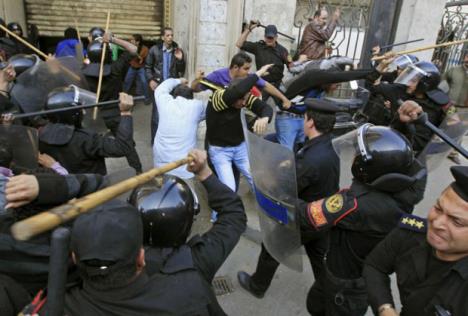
[(112, 123), (267, 266)]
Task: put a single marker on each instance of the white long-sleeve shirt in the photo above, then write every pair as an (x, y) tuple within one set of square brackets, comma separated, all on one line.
[(177, 129)]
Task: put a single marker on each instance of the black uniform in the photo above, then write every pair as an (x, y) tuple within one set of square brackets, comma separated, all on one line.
[(177, 281), (363, 218), (27, 262), (111, 87), (83, 151), (424, 281), (318, 173)]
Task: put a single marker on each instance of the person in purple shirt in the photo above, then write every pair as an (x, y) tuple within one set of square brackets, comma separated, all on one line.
[(239, 68)]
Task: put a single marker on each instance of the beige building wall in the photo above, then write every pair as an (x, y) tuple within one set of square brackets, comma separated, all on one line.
[(419, 19), (13, 11)]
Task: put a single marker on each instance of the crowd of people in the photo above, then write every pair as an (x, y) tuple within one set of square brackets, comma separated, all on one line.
[(138, 257)]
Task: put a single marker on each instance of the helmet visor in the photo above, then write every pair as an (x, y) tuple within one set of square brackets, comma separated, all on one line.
[(410, 76), (82, 96), (401, 62)]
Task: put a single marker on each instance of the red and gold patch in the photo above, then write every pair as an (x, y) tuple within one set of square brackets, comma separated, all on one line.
[(315, 213)]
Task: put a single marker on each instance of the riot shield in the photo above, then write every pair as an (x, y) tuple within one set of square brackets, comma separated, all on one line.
[(32, 86), (274, 174), (24, 143), (346, 148), (455, 125)]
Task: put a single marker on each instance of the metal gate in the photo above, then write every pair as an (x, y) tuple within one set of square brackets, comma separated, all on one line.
[(454, 26)]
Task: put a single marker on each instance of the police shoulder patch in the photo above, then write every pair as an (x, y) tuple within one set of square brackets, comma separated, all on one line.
[(329, 211), (413, 222)]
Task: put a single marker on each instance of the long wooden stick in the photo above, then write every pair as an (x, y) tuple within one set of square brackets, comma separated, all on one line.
[(101, 69), (409, 51), (37, 51), (48, 220)]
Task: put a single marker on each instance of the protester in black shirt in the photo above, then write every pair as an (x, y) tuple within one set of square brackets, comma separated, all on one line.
[(267, 51), (224, 127)]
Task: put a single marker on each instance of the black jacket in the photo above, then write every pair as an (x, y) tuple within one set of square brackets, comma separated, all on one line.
[(154, 63), (423, 280), (27, 262), (223, 120), (83, 151), (375, 213), (177, 281)]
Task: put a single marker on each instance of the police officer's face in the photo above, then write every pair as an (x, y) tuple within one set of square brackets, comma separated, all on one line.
[(448, 226), (465, 61), (241, 72), (411, 86)]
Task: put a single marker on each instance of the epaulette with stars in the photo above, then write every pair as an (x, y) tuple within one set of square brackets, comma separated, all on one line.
[(413, 222)]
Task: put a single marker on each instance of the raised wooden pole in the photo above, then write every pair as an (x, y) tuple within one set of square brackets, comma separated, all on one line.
[(45, 221), (101, 69)]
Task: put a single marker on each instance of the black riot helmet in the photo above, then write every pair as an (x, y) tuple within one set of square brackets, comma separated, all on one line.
[(426, 73), (15, 28), (22, 62), (381, 150), (96, 32), (63, 98), (167, 211), (95, 52)]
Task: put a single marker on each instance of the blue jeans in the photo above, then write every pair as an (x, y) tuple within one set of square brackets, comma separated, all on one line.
[(141, 82), (289, 130), (222, 159)]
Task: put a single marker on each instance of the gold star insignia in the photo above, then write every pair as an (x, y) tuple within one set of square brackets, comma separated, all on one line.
[(419, 224), (412, 222), (405, 220)]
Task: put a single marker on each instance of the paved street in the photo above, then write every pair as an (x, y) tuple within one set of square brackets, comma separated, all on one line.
[(287, 294)]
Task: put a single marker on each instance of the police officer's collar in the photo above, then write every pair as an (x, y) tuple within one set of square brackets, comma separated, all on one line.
[(317, 139), (129, 291)]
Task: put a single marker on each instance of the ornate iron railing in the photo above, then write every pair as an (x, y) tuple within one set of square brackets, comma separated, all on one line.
[(454, 26), (349, 34)]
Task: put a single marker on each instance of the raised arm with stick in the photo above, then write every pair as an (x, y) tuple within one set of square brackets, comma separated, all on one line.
[(420, 49), (48, 220), (36, 50), (101, 69)]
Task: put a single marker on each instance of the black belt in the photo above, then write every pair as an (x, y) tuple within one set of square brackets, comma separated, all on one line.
[(290, 114)]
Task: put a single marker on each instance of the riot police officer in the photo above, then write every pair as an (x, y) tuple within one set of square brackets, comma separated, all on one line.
[(81, 150), (168, 212), (170, 276), (387, 183), (113, 72), (429, 257), (318, 173)]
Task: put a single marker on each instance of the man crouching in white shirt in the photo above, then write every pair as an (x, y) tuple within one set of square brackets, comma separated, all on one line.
[(179, 115)]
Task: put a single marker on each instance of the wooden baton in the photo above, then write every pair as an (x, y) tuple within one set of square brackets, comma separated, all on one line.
[(42, 222), (409, 51), (37, 51), (101, 68)]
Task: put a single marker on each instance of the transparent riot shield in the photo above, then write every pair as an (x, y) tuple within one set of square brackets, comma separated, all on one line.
[(24, 144), (455, 126), (346, 148), (32, 86), (274, 174)]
